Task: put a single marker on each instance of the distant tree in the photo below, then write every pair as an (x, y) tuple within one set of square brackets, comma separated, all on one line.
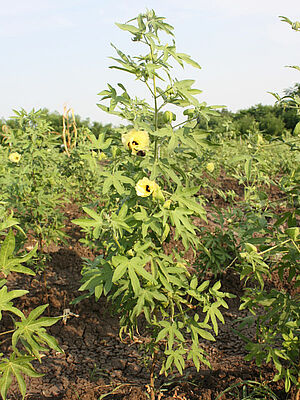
[(271, 120), (290, 117), (245, 123), (271, 125)]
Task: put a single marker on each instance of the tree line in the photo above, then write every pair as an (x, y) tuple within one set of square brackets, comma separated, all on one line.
[(269, 120)]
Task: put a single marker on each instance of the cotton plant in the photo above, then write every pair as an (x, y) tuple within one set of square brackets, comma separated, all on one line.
[(30, 178), (276, 313), (147, 200), (29, 338)]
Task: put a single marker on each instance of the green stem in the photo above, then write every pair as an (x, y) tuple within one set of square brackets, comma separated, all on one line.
[(274, 247), (172, 311), (163, 104), (295, 245), (155, 121), (151, 91), (116, 240), (4, 333), (232, 262), (154, 94), (184, 122)]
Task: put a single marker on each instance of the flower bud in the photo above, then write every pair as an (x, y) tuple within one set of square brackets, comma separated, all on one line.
[(169, 116), (157, 194), (293, 233), (167, 204), (101, 156)]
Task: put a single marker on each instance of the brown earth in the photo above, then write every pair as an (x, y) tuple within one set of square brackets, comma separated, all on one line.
[(96, 362)]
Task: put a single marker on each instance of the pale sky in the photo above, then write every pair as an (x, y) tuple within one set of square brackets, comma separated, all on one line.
[(56, 52)]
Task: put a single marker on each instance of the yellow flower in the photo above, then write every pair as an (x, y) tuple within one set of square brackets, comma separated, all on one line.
[(136, 141), (14, 157), (210, 166), (145, 187)]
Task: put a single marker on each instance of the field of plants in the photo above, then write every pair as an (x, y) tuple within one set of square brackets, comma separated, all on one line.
[(154, 260)]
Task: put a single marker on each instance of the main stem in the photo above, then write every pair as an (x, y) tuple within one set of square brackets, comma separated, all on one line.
[(154, 94), (155, 121)]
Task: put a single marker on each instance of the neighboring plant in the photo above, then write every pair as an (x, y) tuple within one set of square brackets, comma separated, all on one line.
[(270, 249), (29, 338), (147, 200), (276, 314), (219, 247), (42, 170), (30, 176), (248, 390)]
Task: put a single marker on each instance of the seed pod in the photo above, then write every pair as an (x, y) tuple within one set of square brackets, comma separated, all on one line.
[(189, 112), (169, 116)]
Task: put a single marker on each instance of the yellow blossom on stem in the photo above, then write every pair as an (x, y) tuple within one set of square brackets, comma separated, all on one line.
[(136, 141), (14, 157), (145, 187)]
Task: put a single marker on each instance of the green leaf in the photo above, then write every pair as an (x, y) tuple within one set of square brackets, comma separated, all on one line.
[(5, 382), (165, 232), (50, 340), (188, 60), (179, 335), (206, 335), (83, 222), (8, 264), (203, 286), (9, 222), (161, 334), (194, 282), (297, 127), (134, 281), (139, 269), (21, 383), (120, 271), (248, 168), (107, 184), (36, 313), (118, 185), (129, 28), (92, 213), (7, 248), (293, 232), (5, 301), (31, 331), (16, 366)]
